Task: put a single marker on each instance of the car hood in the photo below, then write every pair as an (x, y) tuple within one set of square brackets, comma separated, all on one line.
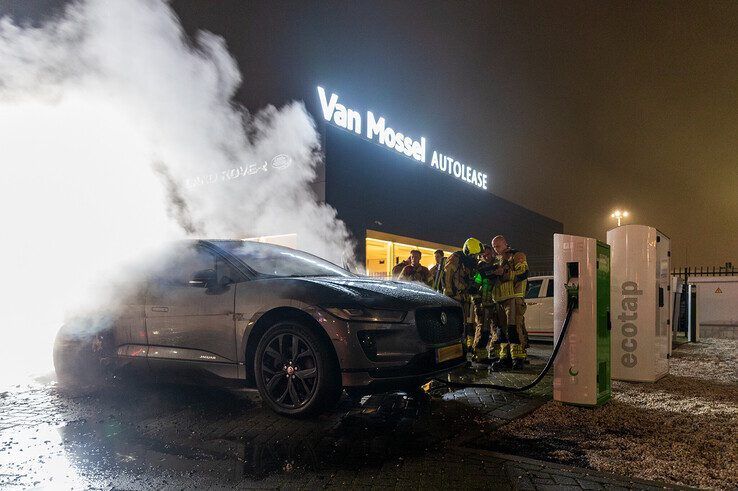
[(381, 293)]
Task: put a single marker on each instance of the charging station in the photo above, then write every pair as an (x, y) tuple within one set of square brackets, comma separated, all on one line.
[(640, 303), (582, 277)]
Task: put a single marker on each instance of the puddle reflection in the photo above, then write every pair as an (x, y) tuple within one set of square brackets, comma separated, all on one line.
[(203, 437)]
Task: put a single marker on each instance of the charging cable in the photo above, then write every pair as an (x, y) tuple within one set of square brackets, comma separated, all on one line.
[(572, 300)]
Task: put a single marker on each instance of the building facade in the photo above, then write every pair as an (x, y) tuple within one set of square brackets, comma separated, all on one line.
[(392, 205), (396, 192)]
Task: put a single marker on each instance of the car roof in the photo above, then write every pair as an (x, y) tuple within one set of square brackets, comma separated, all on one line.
[(255, 243), (218, 243)]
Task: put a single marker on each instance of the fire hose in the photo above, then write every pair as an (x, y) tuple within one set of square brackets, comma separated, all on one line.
[(572, 304)]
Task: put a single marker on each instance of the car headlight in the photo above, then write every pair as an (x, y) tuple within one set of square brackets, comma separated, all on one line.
[(367, 315)]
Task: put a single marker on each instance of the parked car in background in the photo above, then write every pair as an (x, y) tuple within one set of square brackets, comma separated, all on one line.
[(297, 328), (539, 312)]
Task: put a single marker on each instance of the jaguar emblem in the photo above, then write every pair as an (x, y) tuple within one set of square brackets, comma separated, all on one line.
[(444, 318)]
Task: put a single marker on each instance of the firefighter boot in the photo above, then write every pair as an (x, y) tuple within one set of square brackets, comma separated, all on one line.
[(518, 356), (501, 365), (504, 363), (481, 356)]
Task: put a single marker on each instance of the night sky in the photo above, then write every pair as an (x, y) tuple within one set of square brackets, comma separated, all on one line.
[(573, 108)]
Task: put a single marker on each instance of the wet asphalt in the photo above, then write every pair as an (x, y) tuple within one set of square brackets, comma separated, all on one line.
[(138, 434)]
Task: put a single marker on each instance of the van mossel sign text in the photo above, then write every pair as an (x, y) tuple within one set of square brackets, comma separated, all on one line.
[(376, 129)]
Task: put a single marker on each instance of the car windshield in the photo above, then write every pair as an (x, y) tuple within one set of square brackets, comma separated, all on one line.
[(271, 260)]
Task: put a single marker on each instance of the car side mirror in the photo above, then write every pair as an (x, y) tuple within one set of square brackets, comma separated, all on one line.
[(203, 279)]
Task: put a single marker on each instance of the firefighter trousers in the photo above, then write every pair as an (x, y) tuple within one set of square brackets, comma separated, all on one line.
[(511, 334), (488, 317)]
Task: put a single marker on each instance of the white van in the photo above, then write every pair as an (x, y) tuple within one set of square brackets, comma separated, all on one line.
[(539, 314)]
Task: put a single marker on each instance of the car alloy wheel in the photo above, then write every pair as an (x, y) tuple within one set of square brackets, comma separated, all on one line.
[(289, 370)]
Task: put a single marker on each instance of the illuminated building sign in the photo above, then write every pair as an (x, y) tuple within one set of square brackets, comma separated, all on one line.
[(278, 162), (377, 129)]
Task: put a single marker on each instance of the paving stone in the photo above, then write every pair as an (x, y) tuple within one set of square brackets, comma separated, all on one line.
[(585, 484), (562, 479)]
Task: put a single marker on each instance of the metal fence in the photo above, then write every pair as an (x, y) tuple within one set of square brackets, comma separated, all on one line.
[(727, 270), (379, 276)]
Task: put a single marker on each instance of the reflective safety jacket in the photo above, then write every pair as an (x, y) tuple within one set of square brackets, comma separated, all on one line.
[(514, 279), (459, 276)]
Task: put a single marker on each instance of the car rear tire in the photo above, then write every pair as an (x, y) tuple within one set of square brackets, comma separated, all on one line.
[(296, 370)]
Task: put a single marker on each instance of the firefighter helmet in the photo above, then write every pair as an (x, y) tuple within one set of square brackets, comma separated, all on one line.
[(472, 246)]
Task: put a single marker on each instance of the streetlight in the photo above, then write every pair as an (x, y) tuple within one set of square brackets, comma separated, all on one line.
[(619, 215)]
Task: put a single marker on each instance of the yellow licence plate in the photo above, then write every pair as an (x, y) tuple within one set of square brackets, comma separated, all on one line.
[(449, 352)]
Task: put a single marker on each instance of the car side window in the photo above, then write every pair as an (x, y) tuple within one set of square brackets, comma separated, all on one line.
[(226, 273), (550, 289), (181, 266), (534, 287)]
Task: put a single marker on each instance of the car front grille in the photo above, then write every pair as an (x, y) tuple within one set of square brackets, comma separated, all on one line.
[(432, 329)]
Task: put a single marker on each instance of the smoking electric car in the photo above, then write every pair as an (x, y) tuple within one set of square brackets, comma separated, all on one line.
[(297, 328)]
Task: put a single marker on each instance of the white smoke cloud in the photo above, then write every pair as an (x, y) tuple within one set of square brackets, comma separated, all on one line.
[(105, 113)]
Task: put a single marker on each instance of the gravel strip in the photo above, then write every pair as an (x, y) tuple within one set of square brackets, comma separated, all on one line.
[(682, 429)]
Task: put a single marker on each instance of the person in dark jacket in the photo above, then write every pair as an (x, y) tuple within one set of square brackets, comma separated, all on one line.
[(415, 271)]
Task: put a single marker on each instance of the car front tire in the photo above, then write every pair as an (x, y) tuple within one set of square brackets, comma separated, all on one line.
[(79, 360), (296, 370)]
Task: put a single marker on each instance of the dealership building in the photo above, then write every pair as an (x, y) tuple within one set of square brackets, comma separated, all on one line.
[(396, 192)]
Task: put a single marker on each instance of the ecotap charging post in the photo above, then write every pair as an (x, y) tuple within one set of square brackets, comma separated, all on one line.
[(641, 303), (582, 278)]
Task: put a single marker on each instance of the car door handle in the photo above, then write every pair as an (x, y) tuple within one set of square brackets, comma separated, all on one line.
[(160, 309), (533, 303)]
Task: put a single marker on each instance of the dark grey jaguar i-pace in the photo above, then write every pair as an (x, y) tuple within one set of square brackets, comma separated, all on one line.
[(296, 327)]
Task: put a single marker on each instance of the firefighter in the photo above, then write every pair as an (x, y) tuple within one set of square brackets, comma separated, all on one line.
[(434, 271), (459, 278), (512, 268), (484, 310), (416, 271)]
